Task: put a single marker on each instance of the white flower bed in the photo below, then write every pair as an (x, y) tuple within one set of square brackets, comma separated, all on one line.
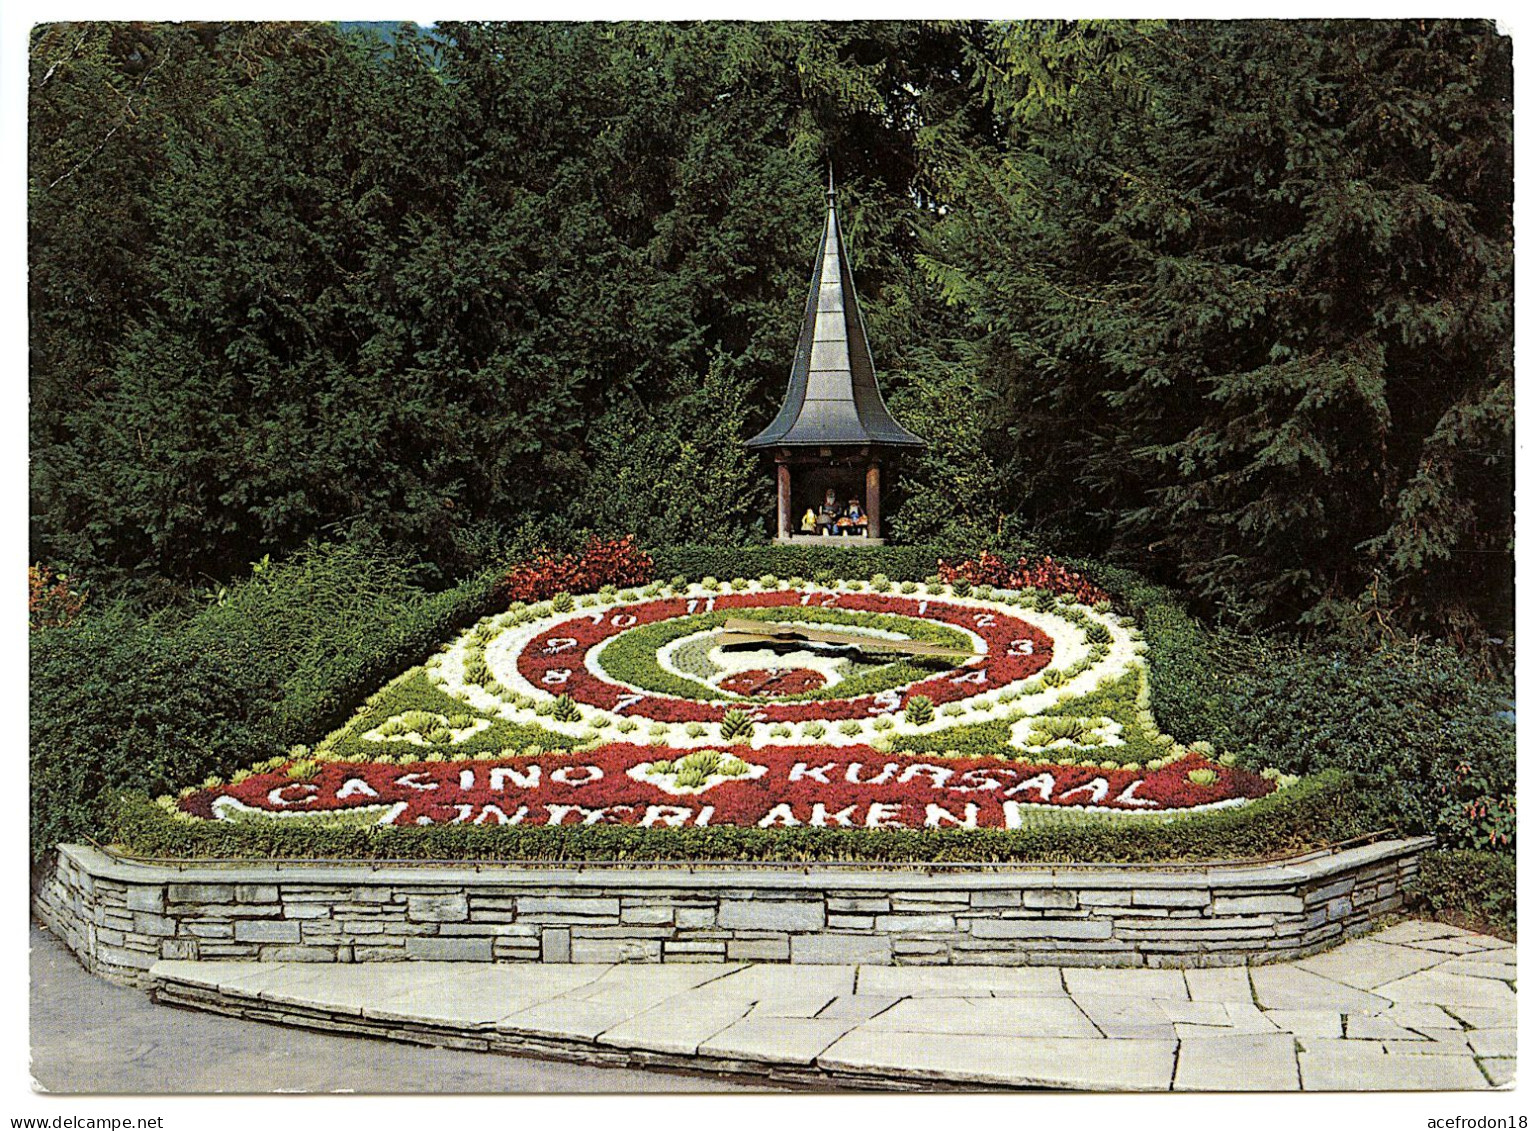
[(1011, 702)]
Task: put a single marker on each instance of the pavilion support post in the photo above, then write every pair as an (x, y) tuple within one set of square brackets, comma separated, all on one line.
[(782, 470), (873, 498)]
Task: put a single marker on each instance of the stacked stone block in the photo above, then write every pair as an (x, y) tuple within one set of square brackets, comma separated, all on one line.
[(121, 916)]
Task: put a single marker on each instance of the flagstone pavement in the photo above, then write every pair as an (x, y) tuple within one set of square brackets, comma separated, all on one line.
[(1417, 1006)]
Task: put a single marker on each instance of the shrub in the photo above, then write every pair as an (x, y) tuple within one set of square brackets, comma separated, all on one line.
[(121, 701), (613, 562), (1026, 573), (1476, 814), (1188, 681), (1425, 738), (909, 563), (52, 599), (1474, 890)]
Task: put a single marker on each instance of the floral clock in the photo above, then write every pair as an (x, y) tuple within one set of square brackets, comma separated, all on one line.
[(846, 704)]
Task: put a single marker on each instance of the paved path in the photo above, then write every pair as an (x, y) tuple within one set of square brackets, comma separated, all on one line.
[(1416, 1006), (90, 1036)]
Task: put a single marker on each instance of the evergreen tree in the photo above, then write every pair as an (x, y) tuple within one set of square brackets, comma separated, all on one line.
[(1247, 287)]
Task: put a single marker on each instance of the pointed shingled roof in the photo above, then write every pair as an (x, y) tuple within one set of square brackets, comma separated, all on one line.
[(833, 398)]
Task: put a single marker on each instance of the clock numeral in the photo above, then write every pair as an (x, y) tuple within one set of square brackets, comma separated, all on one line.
[(558, 644), (556, 676), (622, 620), (1022, 648)]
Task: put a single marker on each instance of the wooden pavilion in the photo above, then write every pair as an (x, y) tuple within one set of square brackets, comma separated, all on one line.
[(833, 431)]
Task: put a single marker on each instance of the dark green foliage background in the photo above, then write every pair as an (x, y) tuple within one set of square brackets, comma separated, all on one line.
[(1230, 302)]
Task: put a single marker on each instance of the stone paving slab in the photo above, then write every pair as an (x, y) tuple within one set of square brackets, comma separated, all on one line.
[(569, 1018), (961, 981), (1040, 1062), (433, 1006), (1449, 1025), (1352, 1066), (1367, 963), (1291, 987), (1121, 1017), (670, 1029), (653, 980), (1168, 984), (1379, 1028), (1503, 1016), (1195, 1012), (1494, 1042), (1248, 1062), (1017, 1017), (1307, 1022), (1501, 1070), (1417, 930), (1231, 983), (1437, 986), (792, 1005), (1456, 945), (1473, 966), (1420, 1016), (778, 1040), (859, 1007), (764, 981)]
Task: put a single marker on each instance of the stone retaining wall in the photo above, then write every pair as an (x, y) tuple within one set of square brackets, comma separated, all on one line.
[(120, 916)]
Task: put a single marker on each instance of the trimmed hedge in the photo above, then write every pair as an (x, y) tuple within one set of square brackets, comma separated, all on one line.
[(1474, 890), (1404, 719), (1310, 814), (120, 702), (1185, 674), (900, 563)]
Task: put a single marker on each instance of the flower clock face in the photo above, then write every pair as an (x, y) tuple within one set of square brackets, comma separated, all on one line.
[(761, 703)]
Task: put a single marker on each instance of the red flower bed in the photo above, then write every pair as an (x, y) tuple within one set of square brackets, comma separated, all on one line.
[(855, 787), (615, 562), (989, 569), (760, 682), (555, 660)]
